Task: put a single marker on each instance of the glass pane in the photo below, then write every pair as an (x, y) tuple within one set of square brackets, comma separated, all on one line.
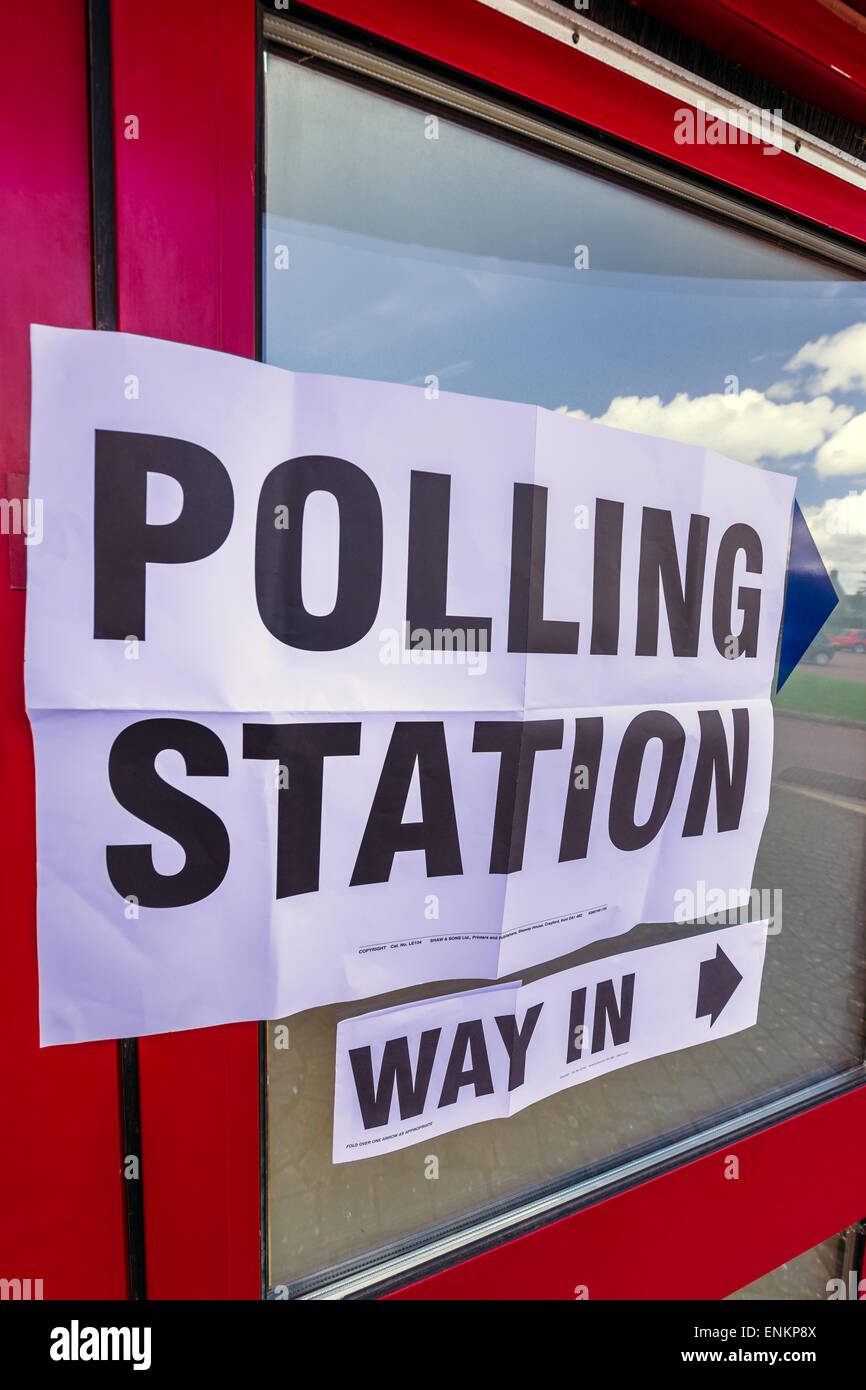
[(409, 248)]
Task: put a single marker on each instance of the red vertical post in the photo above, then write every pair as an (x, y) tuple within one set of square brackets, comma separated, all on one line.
[(184, 111), (61, 1189)]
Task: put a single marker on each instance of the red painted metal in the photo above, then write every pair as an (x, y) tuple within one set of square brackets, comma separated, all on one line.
[(802, 45), (16, 492), (693, 1233), (61, 1197), (475, 39), (186, 271), (186, 239)]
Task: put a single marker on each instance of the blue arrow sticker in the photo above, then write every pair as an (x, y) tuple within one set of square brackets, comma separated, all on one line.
[(810, 597)]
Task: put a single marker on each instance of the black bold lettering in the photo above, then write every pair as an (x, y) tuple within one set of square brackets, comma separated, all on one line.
[(517, 742), (582, 782), (517, 1042), (607, 1010), (654, 723), (606, 577), (123, 541), (712, 763), (467, 1036), (301, 749), (427, 577), (659, 567), (396, 1069), (140, 790), (528, 629), (279, 548), (421, 742), (736, 539), (576, 1016)]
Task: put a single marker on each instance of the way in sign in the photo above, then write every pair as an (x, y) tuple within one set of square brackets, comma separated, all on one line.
[(489, 1053)]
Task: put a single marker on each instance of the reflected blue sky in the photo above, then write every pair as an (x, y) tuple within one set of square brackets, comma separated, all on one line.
[(454, 258)]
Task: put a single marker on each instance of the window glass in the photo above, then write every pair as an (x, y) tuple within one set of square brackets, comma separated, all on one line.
[(404, 246)]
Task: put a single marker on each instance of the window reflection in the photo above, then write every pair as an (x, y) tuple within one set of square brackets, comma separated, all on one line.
[(399, 250)]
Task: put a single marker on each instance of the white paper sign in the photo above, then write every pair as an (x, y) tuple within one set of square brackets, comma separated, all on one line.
[(407, 1074), (336, 689)]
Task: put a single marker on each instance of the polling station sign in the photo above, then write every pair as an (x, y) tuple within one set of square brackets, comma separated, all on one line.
[(413, 1072), (336, 689)]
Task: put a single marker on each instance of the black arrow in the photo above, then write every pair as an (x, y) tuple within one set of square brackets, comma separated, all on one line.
[(718, 979)]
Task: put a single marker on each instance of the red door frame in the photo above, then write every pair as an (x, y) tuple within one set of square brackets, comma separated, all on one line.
[(186, 272), (186, 241), (61, 1188)]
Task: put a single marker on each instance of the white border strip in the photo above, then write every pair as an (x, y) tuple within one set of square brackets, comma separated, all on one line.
[(553, 20)]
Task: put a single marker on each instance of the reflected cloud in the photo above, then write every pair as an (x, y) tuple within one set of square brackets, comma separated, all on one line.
[(747, 426), (838, 360), (844, 455), (839, 530)]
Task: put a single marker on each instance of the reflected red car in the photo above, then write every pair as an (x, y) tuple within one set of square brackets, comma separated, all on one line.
[(852, 640)]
